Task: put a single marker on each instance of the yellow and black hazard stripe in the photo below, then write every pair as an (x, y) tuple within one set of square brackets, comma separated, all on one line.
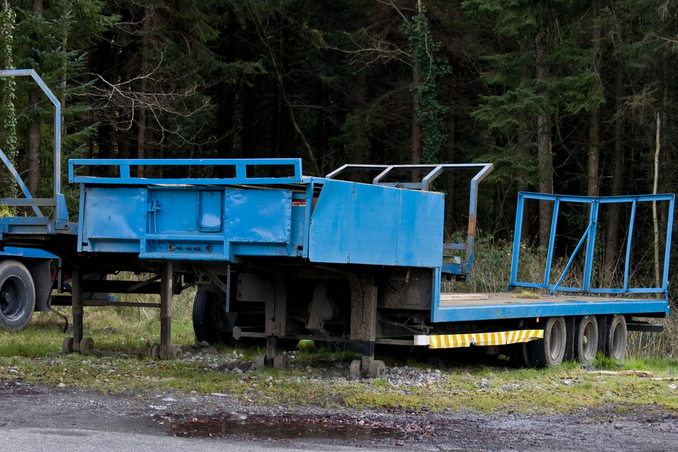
[(480, 339)]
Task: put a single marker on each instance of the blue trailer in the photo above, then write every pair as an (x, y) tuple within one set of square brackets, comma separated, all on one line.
[(278, 256)]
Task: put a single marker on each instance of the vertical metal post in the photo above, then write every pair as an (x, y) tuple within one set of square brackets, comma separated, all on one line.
[(667, 248), (77, 308), (515, 257), (629, 242), (166, 292), (590, 246), (552, 241)]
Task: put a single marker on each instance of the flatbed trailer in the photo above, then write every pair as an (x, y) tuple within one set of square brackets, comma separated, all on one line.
[(278, 256)]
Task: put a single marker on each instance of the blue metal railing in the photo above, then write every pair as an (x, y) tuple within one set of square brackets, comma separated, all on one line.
[(58, 201), (588, 239), (240, 169)]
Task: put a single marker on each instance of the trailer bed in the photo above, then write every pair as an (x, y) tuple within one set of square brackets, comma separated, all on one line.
[(489, 306)]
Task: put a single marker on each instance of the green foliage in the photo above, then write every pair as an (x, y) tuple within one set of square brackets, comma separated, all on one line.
[(8, 140), (429, 68)]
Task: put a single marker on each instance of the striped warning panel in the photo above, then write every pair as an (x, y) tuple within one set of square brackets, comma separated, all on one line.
[(499, 338)]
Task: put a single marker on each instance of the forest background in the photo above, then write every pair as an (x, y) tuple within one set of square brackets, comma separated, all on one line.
[(565, 96)]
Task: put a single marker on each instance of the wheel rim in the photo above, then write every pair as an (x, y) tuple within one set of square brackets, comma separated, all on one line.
[(557, 341), (11, 294), (617, 336), (589, 346)]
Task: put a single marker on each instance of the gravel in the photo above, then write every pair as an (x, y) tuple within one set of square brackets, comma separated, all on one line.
[(220, 416)]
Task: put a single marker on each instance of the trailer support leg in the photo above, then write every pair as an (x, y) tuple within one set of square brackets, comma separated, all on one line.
[(77, 343), (77, 308), (276, 324), (166, 350), (364, 326), (166, 305)]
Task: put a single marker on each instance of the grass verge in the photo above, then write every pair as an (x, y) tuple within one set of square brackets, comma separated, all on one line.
[(319, 376)]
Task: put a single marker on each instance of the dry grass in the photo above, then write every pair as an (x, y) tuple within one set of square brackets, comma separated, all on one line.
[(663, 345), (491, 271)]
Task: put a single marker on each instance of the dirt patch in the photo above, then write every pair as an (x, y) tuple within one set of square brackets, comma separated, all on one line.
[(220, 417)]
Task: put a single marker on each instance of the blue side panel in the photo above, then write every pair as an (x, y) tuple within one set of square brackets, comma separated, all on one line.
[(355, 223), (190, 223), (111, 220), (258, 215), (11, 251), (173, 211), (533, 310), (377, 225), (210, 210), (329, 222), (420, 232)]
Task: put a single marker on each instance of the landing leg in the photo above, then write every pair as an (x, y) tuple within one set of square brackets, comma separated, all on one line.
[(77, 308), (77, 343), (166, 305), (276, 324), (364, 327), (166, 350)]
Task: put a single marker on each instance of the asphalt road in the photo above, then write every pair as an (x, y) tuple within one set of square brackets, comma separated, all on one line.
[(73, 420), (75, 440)]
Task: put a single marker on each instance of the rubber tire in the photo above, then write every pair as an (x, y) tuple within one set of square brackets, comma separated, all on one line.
[(519, 355), (586, 340), (17, 284), (616, 337), (549, 351), (205, 318)]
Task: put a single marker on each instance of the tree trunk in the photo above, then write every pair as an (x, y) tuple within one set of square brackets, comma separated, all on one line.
[(612, 231), (34, 138), (593, 188), (34, 135), (451, 126), (524, 140), (545, 158), (141, 131), (415, 157)]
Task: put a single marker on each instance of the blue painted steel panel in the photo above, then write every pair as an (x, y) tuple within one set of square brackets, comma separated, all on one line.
[(11, 251), (377, 225), (533, 310), (211, 208), (190, 223), (420, 231), (111, 220), (173, 210), (262, 216)]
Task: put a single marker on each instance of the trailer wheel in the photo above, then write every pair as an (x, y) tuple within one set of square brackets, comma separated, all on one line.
[(519, 355), (550, 350), (616, 337), (207, 316), (586, 340), (17, 295)]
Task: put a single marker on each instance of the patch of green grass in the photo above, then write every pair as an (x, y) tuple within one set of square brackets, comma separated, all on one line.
[(319, 375)]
